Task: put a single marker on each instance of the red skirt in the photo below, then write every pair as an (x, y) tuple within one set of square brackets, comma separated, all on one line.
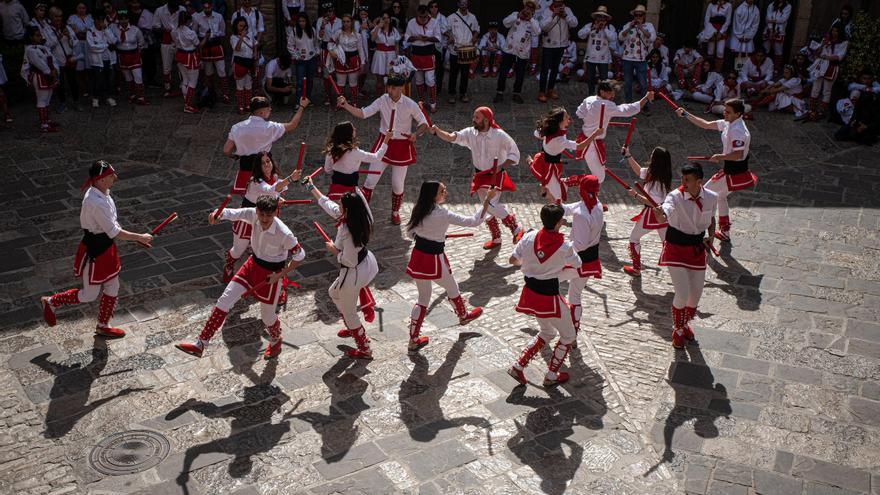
[(166, 37), (649, 219), (401, 152), (690, 257), (735, 182), (539, 305), (544, 172), (422, 62), (105, 267), (598, 143), (212, 53), (130, 60), (42, 82), (242, 229), (250, 274), (487, 179), (337, 190), (424, 266), (239, 71), (352, 64), (590, 269), (241, 182), (190, 60)]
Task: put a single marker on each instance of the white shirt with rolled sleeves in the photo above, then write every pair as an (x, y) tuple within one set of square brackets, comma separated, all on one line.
[(273, 244), (213, 23), (654, 189), (735, 136), (165, 19), (435, 226), (442, 27), (564, 259), (586, 225), (591, 108), (753, 73), (556, 145), (262, 188), (462, 28), (350, 162), (254, 20), (683, 214), (273, 70), (431, 30), (520, 34), (636, 44), (724, 92), (599, 43), (555, 29), (254, 135), (682, 57), (348, 252), (487, 146), (713, 79), (405, 111), (98, 213), (247, 46)]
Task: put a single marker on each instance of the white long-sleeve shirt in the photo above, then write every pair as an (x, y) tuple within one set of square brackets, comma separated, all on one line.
[(654, 189), (330, 28), (586, 225), (591, 108), (489, 45), (98, 213), (304, 48), (599, 43), (434, 226), (682, 57), (99, 42), (556, 145), (272, 244), (256, 189), (751, 72), (519, 35), (431, 30), (552, 267), (344, 242), (556, 29), (684, 214), (254, 20), (254, 135), (776, 21), (405, 112), (185, 38), (350, 161), (713, 79), (248, 43), (463, 28), (735, 136), (714, 10), (213, 23), (134, 38), (487, 146), (746, 19), (165, 19)]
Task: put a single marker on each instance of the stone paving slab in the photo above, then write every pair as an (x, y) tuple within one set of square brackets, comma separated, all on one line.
[(780, 396)]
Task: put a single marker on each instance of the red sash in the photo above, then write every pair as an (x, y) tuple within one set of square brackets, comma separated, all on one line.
[(212, 53), (422, 62), (190, 60), (598, 143), (129, 60), (486, 178), (103, 268)]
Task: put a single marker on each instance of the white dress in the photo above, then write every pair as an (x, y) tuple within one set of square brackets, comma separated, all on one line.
[(384, 52)]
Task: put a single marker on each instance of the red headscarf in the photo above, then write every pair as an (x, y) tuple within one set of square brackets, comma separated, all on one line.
[(589, 186), (106, 171), (488, 115)]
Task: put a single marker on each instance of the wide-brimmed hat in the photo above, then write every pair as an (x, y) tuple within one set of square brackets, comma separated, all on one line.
[(601, 11), (530, 3), (639, 8)]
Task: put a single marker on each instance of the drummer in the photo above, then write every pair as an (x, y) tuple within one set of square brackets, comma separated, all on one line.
[(463, 30)]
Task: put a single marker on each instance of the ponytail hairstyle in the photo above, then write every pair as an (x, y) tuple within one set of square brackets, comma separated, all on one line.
[(660, 169), (425, 204), (357, 218), (341, 140), (548, 125)]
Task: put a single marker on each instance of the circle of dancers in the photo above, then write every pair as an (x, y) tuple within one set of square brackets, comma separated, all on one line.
[(688, 218)]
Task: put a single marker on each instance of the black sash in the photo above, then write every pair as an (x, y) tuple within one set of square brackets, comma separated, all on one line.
[(675, 236), (422, 49), (589, 254), (429, 247), (181, 50), (733, 167), (717, 19), (549, 287), (96, 244), (126, 52), (272, 266), (324, 45), (243, 61), (344, 179), (248, 162), (552, 158), (246, 203), (215, 41), (348, 55)]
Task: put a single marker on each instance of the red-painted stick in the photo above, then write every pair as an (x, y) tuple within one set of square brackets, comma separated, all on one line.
[(315, 173), (699, 158), (370, 172), (666, 98), (391, 121), (455, 236), (296, 202), (305, 88), (602, 116), (425, 113), (172, 217), (618, 124), (302, 152), (629, 134), (617, 179), (569, 155), (645, 193), (222, 206), (335, 87), (321, 231)]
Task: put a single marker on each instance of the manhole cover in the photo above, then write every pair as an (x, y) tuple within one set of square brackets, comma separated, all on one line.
[(129, 452)]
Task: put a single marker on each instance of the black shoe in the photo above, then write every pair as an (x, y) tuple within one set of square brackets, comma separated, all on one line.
[(518, 98), (498, 98)]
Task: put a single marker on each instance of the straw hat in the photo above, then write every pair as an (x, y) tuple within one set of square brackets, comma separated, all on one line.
[(639, 8), (601, 11), (530, 3)]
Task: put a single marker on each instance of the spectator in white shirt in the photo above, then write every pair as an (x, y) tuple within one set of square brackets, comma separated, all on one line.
[(601, 37), (555, 26)]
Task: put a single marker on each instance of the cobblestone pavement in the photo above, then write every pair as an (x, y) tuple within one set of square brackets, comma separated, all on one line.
[(781, 396)]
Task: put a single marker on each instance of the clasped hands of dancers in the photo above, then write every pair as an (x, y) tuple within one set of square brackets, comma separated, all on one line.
[(682, 217)]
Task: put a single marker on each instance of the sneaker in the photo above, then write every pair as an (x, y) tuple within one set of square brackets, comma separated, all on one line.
[(632, 271), (415, 345), (48, 311), (190, 109), (561, 377), (491, 244), (359, 354), (471, 316), (517, 375), (272, 350), (95, 103), (190, 349), (518, 98), (499, 97), (542, 97), (110, 332)]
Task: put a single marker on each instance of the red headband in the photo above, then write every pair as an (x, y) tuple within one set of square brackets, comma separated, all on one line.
[(106, 171), (589, 186), (487, 113)]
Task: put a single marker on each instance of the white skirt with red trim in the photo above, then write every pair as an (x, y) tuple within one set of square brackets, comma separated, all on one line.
[(590, 269), (242, 229), (352, 64), (212, 53), (598, 143)]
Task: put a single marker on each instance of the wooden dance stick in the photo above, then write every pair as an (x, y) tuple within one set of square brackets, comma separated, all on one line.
[(629, 134), (315, 173), (222, 206), (296, 202), (302, 152), (391, 120), (666, 98), (617, 179), (370, 172), (172, 217), (455, 236), (425, 113), (646, 195), (321, 231), (305, 87), (335, 87), (602, 116), (699, 158), (618, 124)]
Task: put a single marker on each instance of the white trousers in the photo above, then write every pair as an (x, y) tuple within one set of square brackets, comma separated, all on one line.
[(217, 65), (702, 97), (189, 78), (398, 176), (350, 80), (90, 292), (44, 97), (245, 82), (447, 281), (425, 77), (554, 188), (136, 74), (498, 210), (239, 245), (688, 286), (344, 290), (168, 52), (233, 293), (719, 187), (550, 327), (822, 86), (594, 163), (715, 48), (635, 236)]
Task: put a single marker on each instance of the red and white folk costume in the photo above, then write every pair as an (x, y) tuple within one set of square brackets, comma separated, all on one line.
[(589, 111), (386, 51), (188, 63), (428, 263), (327, 27), (776, 21), (486, 148), (166, 20), (96, 260), (716, 25), (271, 248), (546, 165), (129, 43), (491, 46), (586, 229), (241, 229), (244, 68), (684, 254), (755, 76), (646, 221), (251, 137), (213, 27), (345, 175), (349, 56), (422, 56), (546, 258), (401, 150), (735, 175), (350, 290), (39, 71)]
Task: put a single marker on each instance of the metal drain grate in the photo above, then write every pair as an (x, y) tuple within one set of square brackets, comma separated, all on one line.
[(129, 452)]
